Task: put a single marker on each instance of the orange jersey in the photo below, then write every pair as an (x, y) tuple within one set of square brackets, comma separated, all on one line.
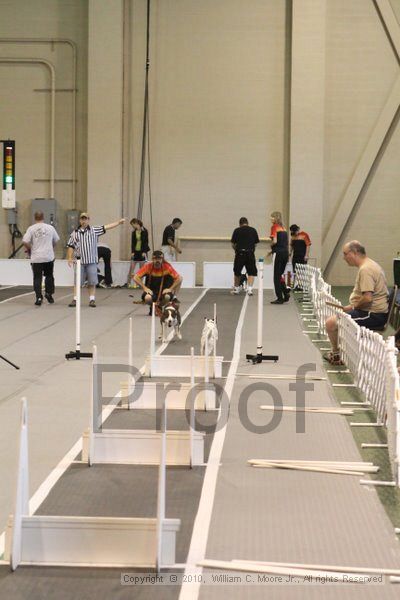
[(302, 235), (275, 228), (165, 270)]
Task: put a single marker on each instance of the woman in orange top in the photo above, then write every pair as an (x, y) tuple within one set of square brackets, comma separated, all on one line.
[(279, 247)]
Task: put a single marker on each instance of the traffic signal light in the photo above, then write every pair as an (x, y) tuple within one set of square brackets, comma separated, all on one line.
[(8, 192), (9, 165)]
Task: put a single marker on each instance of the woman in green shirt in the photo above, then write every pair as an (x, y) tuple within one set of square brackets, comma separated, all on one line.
[(139, 248)]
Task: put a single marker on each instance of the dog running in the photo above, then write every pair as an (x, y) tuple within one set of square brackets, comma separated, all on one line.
[(170, 320), (210, 332)]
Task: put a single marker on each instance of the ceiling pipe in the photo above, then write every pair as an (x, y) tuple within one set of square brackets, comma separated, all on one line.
[(73, 47)]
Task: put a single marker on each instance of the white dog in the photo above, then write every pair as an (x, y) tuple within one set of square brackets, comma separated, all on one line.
[(210, 332), (170, 319)]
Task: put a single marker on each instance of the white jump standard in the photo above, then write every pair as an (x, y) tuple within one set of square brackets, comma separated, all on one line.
[(259, 357), (137, 446), (77, 354), (73, 541), (143, 394)]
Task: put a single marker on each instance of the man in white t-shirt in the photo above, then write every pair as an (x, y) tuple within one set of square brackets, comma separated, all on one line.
[(40, 240)]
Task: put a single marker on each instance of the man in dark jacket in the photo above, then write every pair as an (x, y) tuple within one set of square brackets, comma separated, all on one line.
[(244, 240)]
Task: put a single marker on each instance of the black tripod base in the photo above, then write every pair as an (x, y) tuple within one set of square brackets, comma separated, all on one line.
[(77, 355), (9, 362), (256, 359)]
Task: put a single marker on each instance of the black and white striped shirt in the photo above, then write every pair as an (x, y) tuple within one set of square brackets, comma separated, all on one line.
[(84, 242)]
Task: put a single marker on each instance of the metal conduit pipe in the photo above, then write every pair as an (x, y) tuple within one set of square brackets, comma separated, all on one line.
[(73, 47), (51, 68)]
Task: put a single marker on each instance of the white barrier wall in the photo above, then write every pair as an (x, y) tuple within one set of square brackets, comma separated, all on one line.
[(220, 275), (18, 271)]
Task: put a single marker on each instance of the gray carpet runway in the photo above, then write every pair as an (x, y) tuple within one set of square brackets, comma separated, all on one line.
[(13, 291)]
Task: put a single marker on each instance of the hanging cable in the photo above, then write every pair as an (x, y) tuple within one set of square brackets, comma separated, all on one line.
[(149, 172), (145, 119)]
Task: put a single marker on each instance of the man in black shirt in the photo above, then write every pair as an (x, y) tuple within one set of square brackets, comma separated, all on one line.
[(168, 245), (244, 240)]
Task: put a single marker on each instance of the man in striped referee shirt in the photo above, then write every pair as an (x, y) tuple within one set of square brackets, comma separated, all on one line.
[(83, 242)]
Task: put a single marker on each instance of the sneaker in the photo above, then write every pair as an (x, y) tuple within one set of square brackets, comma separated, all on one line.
[(49, 298), (72, 304), (249, 291), (38, 301), (92, 304), (333, 358), (103, 284), (235, 291), (277, 301)]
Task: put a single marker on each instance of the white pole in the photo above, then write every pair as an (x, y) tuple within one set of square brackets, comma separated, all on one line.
[(130, 341), (78, 305), (260, 306), (161, 488), (22, 492), (153, 332), (130, 362), (397, 443), (215, 339), (94, 407), (191, 428), (207, 363)]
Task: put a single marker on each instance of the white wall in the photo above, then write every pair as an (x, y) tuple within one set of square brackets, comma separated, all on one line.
[(307, 118), (25, 112), (105, 88), (217, 116), (360, 71), (219, 107)]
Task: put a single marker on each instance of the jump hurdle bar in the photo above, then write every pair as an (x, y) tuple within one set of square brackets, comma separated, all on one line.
[(144, 393), (77, 354), (259, 356), (71, 541), (133, 446)]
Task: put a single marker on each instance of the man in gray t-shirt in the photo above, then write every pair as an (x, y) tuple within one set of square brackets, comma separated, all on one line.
[(40, 240)]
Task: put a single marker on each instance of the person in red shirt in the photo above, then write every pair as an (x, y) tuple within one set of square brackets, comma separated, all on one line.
[(279, 247), (299, 247), (158, 280)]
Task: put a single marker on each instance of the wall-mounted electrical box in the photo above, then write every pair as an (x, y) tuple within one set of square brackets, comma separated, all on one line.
[(72, 220), (48, 206)]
